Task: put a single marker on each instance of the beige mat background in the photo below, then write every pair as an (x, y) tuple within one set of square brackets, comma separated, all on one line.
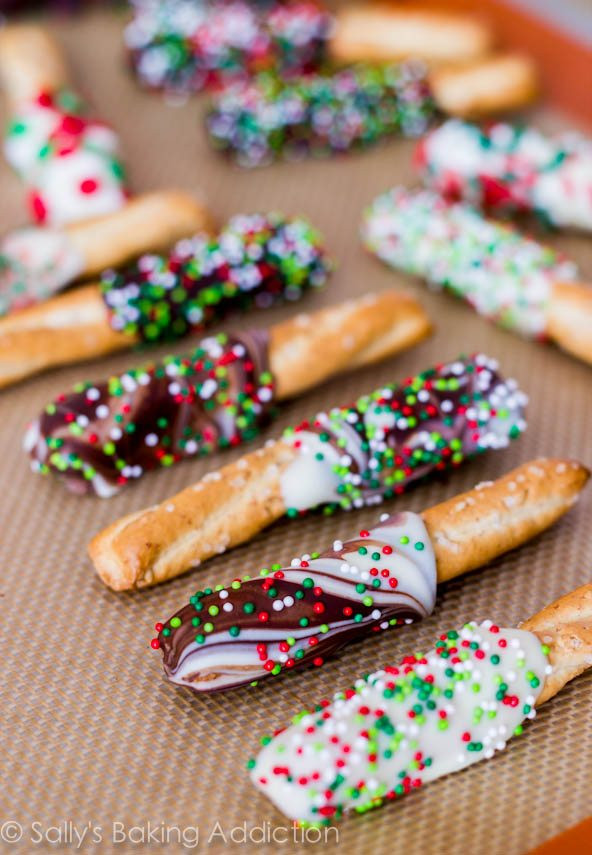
[(91, 733)]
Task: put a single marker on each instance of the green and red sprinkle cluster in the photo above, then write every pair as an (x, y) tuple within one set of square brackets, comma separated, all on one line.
[(257, 261), (269, 117)]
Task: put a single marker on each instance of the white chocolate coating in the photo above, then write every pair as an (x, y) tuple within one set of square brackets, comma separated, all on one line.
[(35, 263), (406, 726)]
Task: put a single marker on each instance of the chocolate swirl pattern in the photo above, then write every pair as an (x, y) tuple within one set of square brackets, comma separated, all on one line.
[(255, 260), (104, 435), (298, 615), (362, 454)]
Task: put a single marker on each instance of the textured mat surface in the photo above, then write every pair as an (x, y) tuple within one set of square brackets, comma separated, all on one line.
[(91, 732)]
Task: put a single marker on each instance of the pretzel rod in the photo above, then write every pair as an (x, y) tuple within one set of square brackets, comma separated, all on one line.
[(36, 262), (181, 46), (384, 577), (70, 163), (107, 434), (349, 457), (30, 62), (259, 120), (511, 169), (431, 715), (512, 280), (255, 260), (379, 32)]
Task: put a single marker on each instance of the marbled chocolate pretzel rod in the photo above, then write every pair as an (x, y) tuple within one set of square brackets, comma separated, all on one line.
[(105, 435), (511, 169), (255, 261), (348, 457), (269, 117), (38, 261), (513, 280), (69, 162), (433, 714), (302, 614)]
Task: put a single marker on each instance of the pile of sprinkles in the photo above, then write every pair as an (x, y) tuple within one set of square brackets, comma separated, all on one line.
[(503, 275), (69, 162), (511, 168), (376, 448), (257, 261), (404, 726), (289, 617), (105, 435), (183, 46), (269, 117)]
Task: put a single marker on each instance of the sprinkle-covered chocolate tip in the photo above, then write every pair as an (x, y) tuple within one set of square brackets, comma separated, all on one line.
[(184, 46), (105, 435), (269, 117), (404, 726), (502, 274), (257, 261)]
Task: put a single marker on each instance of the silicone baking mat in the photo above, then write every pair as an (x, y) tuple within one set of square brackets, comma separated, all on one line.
[(91, 733)]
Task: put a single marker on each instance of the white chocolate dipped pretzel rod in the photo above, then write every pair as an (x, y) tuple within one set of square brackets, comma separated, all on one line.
[(107, 434), (301, 614), (255, 260), (38, 261), (347, 457), (69, 163), (403, 726), (510, 168), (511, 279)]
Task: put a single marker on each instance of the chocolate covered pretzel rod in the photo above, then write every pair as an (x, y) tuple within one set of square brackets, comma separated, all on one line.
[(182, 46), (384, 577), (348, 457), (268, 117), (511, 169), (105, 435), (37, 262), (68, 161), (255, 261), (513, 280), (433, 714)]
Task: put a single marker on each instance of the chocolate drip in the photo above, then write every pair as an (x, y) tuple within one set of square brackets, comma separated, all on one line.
[(291, 617), (104, 435)]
